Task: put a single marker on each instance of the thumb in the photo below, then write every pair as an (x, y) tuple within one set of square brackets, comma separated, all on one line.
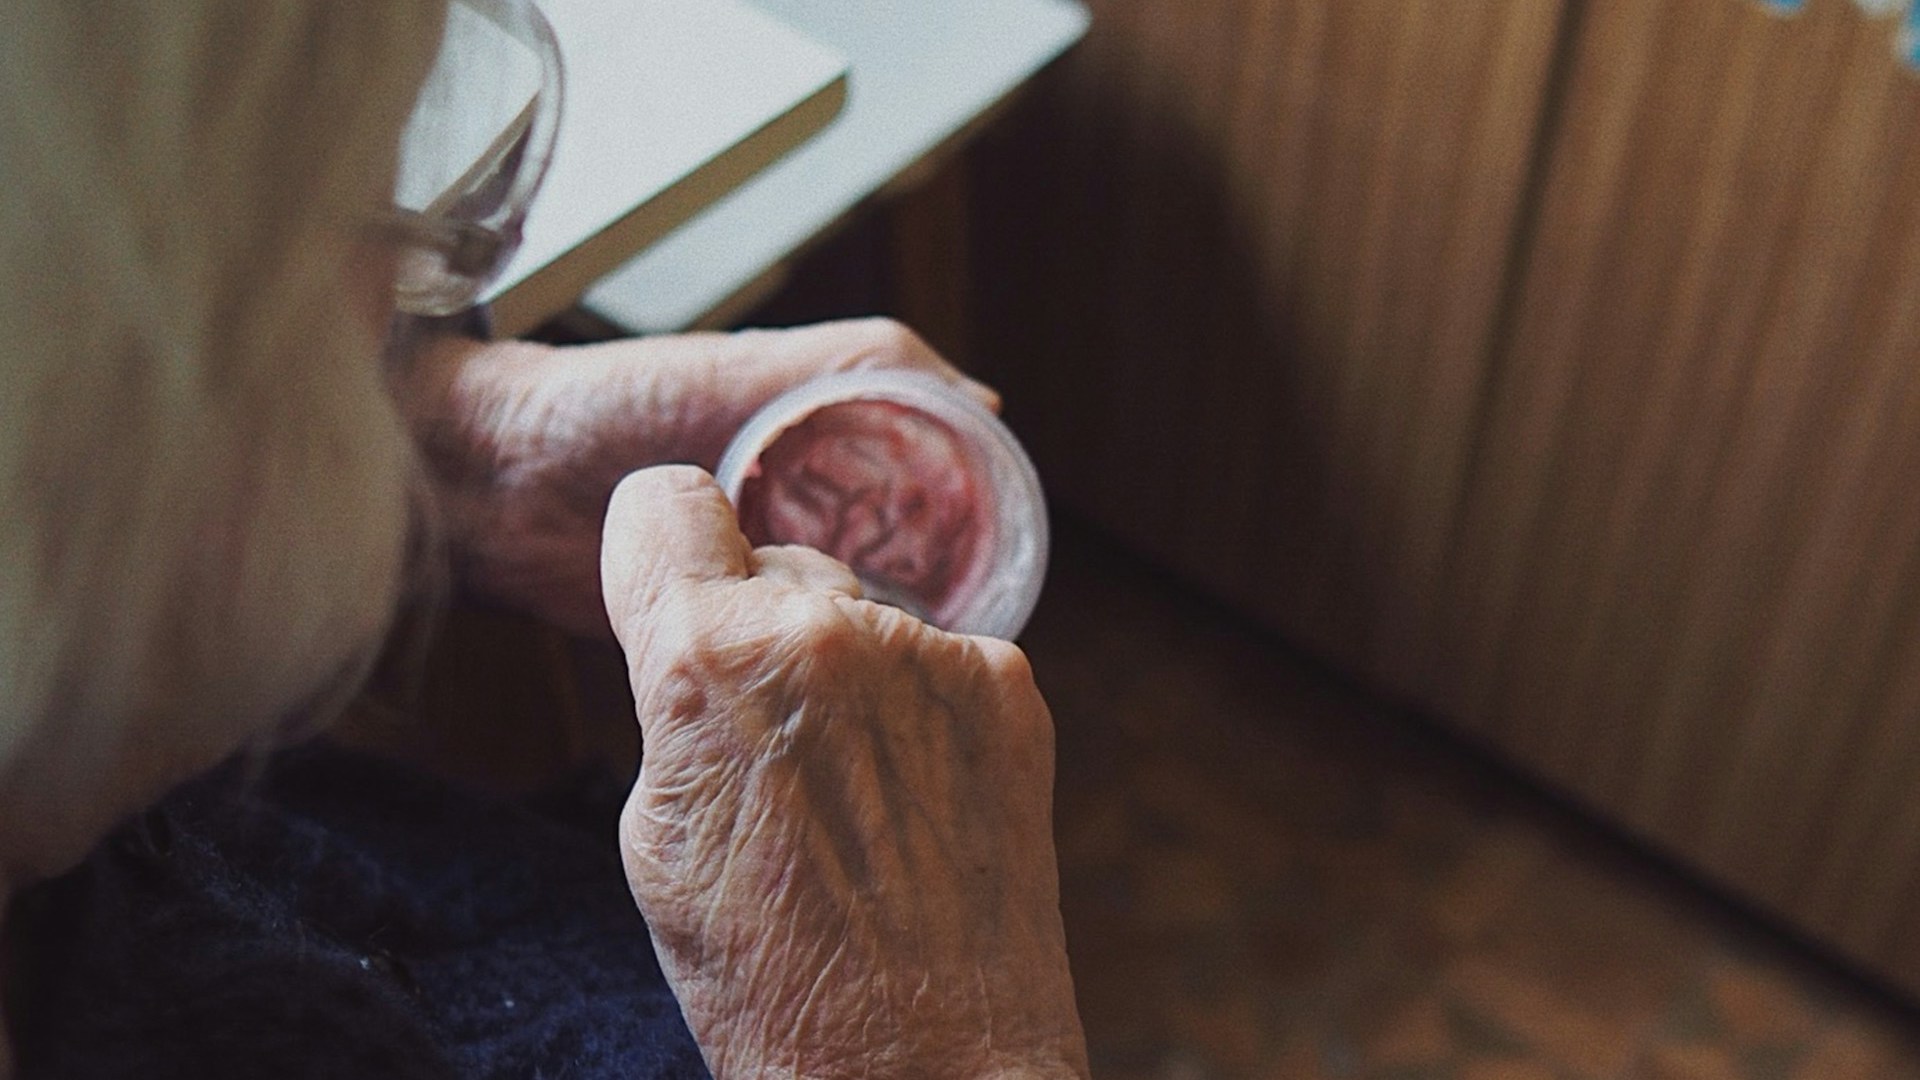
[(667, 527)]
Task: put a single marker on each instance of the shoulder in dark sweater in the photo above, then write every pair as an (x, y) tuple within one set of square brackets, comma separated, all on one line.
[(328, 914)]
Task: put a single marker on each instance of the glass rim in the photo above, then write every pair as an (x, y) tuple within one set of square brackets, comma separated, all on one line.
[(457, 246)]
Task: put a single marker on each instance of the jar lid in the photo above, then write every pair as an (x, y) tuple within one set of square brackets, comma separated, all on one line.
[(912, 483)]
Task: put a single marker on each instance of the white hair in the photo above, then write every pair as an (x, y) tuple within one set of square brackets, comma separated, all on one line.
[(203, 481)]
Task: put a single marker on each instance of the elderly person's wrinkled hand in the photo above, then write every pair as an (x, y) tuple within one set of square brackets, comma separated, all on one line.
[(841, 832), (526, 442)]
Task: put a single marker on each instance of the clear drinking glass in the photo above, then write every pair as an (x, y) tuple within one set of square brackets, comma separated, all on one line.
[(474, 152)]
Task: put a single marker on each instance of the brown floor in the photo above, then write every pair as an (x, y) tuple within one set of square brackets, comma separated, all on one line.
[(1263, 876)]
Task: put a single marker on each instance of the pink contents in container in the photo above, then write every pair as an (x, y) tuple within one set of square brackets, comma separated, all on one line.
[(916, 487), (881, 487)]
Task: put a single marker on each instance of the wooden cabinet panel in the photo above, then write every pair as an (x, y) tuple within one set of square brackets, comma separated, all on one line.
[(1686, 583), (1552, 366), (1237, 269)]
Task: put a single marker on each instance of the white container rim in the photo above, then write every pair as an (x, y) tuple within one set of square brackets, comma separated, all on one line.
[(1010, 587)]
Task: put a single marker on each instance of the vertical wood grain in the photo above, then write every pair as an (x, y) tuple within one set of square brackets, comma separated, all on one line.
[(1552, 365), (1237, 271), (1685, 585), (927, 278)]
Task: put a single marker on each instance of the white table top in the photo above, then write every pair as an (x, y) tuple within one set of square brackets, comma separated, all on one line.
[(669, 104), (921, 70)]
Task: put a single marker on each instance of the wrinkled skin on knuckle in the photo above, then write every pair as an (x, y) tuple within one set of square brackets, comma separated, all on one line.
[(1005, 662), (846, 866), (880, 341), (729, 640)]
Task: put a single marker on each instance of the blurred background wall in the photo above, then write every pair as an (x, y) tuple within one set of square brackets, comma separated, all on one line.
[(1546, 364)]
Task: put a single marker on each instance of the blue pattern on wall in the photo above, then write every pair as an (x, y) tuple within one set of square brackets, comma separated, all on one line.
[(1906, 36)]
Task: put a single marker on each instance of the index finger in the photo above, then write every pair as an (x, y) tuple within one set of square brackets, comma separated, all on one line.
[(801, 352), (668, 526)]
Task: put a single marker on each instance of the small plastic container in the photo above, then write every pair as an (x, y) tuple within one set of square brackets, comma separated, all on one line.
[(916, 486)]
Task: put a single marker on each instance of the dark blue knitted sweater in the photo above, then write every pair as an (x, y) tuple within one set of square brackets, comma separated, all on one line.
[(337, 916)]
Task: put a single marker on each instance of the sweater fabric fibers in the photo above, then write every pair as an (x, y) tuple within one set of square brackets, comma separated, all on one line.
[(334, 915)]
